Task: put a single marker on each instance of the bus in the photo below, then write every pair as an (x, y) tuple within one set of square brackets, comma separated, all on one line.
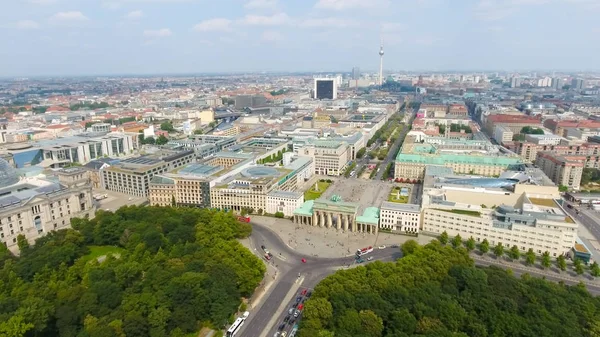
[(364, 251), (237, 325)]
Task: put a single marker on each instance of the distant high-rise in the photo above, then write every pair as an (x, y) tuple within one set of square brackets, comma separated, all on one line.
[(558, 83), (325, 88), (577, 84), (515, 82), (381, 64), (355, 73)]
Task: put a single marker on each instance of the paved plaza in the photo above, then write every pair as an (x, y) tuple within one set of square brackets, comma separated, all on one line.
[(329, 242)]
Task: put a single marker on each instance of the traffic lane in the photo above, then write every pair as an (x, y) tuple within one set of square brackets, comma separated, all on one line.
[(259, 319), (281, 317), (264, 236)]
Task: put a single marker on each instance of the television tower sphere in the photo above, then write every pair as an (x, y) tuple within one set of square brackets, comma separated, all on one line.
[(381, 51)]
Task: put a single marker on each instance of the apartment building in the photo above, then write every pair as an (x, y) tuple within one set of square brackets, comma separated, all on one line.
[(514, 122), (503, 134), (330, 157), (34, 207), (132, 176), (563, 170), (405, 218), (529, 151)]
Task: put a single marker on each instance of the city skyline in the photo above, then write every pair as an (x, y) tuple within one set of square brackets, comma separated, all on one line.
[(71, 38)]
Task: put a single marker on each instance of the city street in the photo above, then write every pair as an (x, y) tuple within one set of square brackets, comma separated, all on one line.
[(293, 275), (394, 148)]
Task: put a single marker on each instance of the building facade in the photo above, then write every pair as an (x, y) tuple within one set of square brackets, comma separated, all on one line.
[(284, 201), (330, 157), (34, 207), (397, 217), (562, 170), (132, 176)]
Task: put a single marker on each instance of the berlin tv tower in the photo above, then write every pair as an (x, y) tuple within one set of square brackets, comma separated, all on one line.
[(381, 63)]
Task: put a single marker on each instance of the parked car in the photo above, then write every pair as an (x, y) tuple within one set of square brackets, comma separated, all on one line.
[(304, 292), (308, 294), (282, 326), (298, 299), (303, 260), (291, 311), (276, 334), (382, 247), (360, 261), (286, 319), (369, 258)]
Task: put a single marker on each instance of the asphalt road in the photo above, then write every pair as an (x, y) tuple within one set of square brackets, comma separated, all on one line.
[(586, 217), (267, 316)]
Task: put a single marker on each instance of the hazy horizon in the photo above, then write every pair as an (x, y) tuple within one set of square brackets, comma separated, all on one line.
[(54, 38)]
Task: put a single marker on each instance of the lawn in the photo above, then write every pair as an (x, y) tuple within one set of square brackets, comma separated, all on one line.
[(461, 211), (393, 197), (543, 202), (98, 251), (311, 194)]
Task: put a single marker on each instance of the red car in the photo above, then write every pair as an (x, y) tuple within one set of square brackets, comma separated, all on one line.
[(303, 292), (303, 260)]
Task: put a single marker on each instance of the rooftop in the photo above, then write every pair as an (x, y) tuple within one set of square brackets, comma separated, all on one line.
[(369, 216)]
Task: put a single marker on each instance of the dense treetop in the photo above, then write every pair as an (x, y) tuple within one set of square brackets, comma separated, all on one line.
[(179, 269), (436, 291)]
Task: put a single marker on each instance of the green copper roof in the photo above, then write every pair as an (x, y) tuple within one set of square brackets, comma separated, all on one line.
[(370, 216)]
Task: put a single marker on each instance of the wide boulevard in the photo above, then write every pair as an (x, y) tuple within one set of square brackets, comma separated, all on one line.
[(293, 274)]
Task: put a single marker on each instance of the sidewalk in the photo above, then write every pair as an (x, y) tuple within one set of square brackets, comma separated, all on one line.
[(329, 242)]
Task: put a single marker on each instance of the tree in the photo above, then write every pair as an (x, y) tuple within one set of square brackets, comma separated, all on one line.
[(484, 246), (470, 244), (162, 140), (279, 215), (360, 153), (546, 260), (15, 326), (578, 266), (563, 188), (443, 238), (530, 257), (456, 241), (409, 247), (173, 201), (167, 126), (22, 243), (595, 269), (198, 132), (499, 250), (514, 252), (371, 324), (561, 262)]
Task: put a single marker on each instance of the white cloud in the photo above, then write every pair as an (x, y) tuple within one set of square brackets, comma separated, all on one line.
[(272, 36), (213, 25), (327, 23), (261, 4), (267, 20), (134, 15), (495, 10), (68, 17), (27, 25), (340, 5), (158, 33)]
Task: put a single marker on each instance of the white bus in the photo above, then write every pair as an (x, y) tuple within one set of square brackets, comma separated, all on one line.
[(237, 325)]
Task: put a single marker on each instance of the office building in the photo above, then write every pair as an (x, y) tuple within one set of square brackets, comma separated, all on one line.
[(252, 184), (515, 82), (577, 84), (558, 83), (34, 207), (514, 122), (355, 73), (510, 211), (330, 157), (249, 101), (284, 201), (402, 218), (463, 156), (325, 88), (503, 134), (132, 176), (564, 170)]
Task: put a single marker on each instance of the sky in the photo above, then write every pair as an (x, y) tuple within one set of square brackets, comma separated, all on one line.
[(111, 37)]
